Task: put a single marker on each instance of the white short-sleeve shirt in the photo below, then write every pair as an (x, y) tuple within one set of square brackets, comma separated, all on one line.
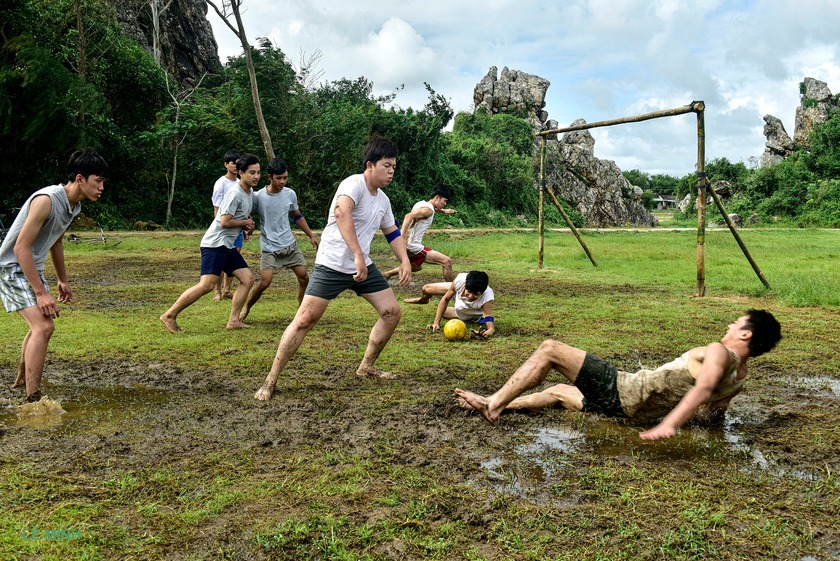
[(220, 189), (469, 311), (371, 213)]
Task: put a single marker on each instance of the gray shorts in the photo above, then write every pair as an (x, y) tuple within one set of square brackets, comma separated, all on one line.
[(328, 283), (597, 382), (15, 291), (286, 258)]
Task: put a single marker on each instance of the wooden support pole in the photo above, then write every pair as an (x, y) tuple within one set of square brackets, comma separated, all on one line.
[(702, 181), (738, 238), (541, 219), (572, 227), (692, 107)]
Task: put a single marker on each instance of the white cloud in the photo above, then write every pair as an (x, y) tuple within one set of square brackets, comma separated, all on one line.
[(605, 59)]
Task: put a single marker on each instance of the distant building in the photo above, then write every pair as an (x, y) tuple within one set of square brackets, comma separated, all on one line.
[(664, 202)]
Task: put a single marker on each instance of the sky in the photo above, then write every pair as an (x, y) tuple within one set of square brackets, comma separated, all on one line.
[(605, 59)]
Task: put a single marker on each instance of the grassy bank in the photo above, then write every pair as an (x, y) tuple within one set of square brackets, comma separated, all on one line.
[(164, 454)]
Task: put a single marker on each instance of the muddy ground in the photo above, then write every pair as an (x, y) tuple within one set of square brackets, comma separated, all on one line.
[(392, 469)]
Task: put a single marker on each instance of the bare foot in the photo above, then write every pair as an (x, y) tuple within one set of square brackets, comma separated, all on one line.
[(217, 297), (479, 403), (170, 324), (264, 393), (462, 403), (374, 373), (237, 325), (244, 314), (419, 300), (227, 296)]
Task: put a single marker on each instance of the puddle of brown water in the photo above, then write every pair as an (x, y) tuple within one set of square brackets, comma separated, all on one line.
[(527, 466), (82, 410)]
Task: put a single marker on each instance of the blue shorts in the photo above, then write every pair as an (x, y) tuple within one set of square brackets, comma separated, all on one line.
[(597, 382), (239, 240), (328, 283), (218, 260)]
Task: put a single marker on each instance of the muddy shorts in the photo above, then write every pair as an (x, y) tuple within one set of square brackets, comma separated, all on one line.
[(286, 258), (420, 257), (597, 382), (328, 283), (15, 291), (218, 260)]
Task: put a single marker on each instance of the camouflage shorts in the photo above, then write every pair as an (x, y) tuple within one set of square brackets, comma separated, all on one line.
[(597, 382)]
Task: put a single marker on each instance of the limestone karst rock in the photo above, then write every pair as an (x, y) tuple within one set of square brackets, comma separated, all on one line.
[(814, 109), (595, 187), (188, 48)]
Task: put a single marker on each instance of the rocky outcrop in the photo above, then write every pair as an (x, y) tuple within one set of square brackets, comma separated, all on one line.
[(596, 188), (188, 48), (779, 145), (516, 93), (815, 107)]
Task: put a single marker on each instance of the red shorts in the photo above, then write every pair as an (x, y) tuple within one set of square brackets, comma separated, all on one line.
[(420, 257)]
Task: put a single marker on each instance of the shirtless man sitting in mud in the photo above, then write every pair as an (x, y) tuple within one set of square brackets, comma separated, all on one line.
[(710, 376)]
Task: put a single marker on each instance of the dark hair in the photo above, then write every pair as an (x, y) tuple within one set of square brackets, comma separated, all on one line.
[(378, 148), (477, 282), (766, 331), (231, 156), (277, 167), (245, 161), (441, 190), (86, 162)]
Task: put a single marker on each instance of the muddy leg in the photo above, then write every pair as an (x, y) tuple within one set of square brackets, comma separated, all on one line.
[(307, 316), (389, 317), (429, 290), (20, 381)]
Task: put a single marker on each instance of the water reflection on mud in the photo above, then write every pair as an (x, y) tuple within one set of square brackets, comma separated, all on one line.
[(528, 467)]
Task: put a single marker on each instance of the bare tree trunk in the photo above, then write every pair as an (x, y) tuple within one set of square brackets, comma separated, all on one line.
[(176, 142), (157, 12), (239, 31)]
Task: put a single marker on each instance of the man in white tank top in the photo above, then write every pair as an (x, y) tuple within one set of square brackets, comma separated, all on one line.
[(715, 374), (415, 225)]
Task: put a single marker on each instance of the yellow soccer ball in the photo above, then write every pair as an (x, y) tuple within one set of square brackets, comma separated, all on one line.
[(455, 330)]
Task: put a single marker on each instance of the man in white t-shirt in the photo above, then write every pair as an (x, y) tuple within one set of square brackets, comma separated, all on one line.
[(415, 225), (359, 208), (473, 302), (220, 189), (273, 205), (218, 253)]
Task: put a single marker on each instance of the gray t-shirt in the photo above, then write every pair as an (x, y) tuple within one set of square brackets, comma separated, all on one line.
[(238, 204), (273, 210), (61, 215)]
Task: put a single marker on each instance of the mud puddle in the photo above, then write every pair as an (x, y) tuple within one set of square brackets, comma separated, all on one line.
[(79, 411), (548, 453)]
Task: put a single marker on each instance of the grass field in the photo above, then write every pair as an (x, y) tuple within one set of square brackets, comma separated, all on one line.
[(164, 454)]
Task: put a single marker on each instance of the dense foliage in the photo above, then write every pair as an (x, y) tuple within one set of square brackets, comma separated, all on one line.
[(72, 78)]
